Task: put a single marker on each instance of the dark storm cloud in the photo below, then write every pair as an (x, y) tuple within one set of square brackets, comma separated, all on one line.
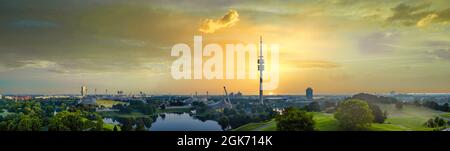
[(444, 15), (407, 14), (88, 36), (420, 15), (33, 24)]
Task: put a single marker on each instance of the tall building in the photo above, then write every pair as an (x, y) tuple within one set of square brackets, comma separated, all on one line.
[(84, 91), (309, 93), (119, 92)]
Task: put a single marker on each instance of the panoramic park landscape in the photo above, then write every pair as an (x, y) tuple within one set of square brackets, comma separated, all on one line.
[(205, 65), (360, 112)]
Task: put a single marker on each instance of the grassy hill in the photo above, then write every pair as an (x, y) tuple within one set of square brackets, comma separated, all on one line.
[(410, 118), (262, 126), (110, 127), (445, 115)]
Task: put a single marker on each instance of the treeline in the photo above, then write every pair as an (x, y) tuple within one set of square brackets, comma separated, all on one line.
[(135, 123), (398, 104), (137, 106), (241, 114), (433, 105), (374, 98), (48, 115)]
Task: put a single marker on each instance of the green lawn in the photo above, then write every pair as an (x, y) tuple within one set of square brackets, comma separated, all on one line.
[(410, 118), (110, 127), (325, 122), (257, 126), (272, 126), (108, 103), (124, 115), (446, 115), (386, 127)]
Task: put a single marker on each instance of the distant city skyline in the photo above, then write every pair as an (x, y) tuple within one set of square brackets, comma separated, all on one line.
[(335, 47)]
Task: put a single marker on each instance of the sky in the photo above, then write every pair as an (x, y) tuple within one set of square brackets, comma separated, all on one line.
[(333, 46)]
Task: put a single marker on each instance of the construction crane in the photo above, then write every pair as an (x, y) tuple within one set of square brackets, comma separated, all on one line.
[(227, 100)]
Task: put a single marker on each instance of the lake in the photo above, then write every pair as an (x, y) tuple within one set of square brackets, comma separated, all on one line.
[(177, 122)]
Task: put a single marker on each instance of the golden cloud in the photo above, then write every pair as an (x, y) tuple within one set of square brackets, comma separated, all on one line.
[(227, 21), (317, 64), (426, 20)]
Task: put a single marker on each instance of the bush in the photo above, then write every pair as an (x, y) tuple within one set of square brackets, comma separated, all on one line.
[(294, 119), (436, 122), (354, 114), (313, 107), (399, 105), (379, 116)]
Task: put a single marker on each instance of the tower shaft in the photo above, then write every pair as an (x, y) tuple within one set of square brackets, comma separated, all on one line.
[(261, 69)]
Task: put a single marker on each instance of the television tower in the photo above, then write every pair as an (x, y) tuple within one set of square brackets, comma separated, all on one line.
[(260, 69)]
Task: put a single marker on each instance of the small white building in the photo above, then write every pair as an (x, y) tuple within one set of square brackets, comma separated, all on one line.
[(88, 100)]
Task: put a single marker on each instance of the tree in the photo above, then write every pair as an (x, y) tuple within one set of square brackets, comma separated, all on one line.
[(163, 106), (68, 121), (374, 99), (147, 121), (313, 107), (200, 107), (115, 128), (398, 105), (431, 104), (445, 107), (28, 123), (140, 126), (294, 119), (329, 104), (353, 114), (417, 103), (224, 122), (439, 121), (21, 122), (430, 123), (99, 124), (379, 116), (127, 124), (436, 122), (49, 110)]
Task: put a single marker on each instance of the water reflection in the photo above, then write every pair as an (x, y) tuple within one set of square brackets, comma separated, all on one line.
[(173, 122)]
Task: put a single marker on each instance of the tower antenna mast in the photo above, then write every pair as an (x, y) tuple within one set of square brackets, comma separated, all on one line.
[(260, 69)]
